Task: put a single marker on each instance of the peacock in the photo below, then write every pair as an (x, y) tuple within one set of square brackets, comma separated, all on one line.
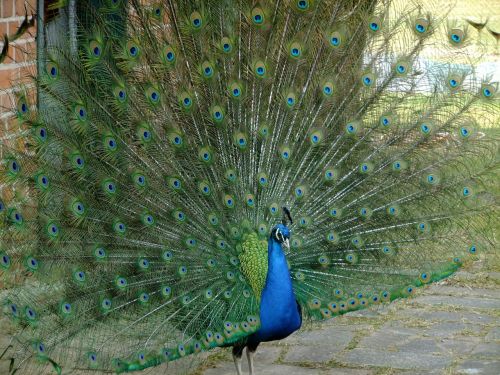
[(186, 175)]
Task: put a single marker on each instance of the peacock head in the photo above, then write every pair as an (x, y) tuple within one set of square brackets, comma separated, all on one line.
[(281, 233)]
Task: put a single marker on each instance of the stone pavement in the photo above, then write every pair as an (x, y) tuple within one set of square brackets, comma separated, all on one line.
[(452, 327)]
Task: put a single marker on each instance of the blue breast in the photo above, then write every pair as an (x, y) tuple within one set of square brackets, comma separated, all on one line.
[(279, 313)]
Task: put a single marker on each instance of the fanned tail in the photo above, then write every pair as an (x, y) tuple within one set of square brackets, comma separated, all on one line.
[(138, 197)]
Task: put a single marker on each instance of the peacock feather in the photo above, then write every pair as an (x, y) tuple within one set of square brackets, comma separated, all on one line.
[(141, 216)]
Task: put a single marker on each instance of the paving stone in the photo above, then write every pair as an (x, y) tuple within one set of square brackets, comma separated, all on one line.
[(461, 274), (418, 372), (448, 329), (461, 291), (366, 313), (362, 328), (342, 323), (319, 346), (487, 350), (445, 329), (459, 347), (266, 353), (465, 302), (332, 336), (478, 367), (420, 346), (347, 371), (312, 354), (494, 275), (493, 334), (383, 340), (228, 368), (389, 335), (452, 316), (399, 360), (398, 326)]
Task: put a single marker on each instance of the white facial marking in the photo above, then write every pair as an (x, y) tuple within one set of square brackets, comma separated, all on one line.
[(287, 244), (279, 235)]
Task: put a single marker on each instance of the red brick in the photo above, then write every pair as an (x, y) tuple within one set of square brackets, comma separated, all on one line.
[(30, 51), (24, 51), (30, 6), (20, 51), (7, 8), (31, 95), (14, 26), (8, 77), (26, 74), (10, 54), (6, 103), (4, 28)]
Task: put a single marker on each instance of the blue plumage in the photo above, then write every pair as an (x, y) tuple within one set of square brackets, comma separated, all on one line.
[(279, 312)]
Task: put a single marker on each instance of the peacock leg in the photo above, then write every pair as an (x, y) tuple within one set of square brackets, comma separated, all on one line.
[(237, 354), (250, 354)]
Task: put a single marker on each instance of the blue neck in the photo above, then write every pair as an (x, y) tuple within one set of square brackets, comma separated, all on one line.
[(279, 313), (278, 277)]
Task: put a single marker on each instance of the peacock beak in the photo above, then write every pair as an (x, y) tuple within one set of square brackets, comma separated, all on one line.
[(287, 244)]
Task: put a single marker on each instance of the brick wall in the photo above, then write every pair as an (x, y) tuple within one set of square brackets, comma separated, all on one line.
[(21, 58)]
